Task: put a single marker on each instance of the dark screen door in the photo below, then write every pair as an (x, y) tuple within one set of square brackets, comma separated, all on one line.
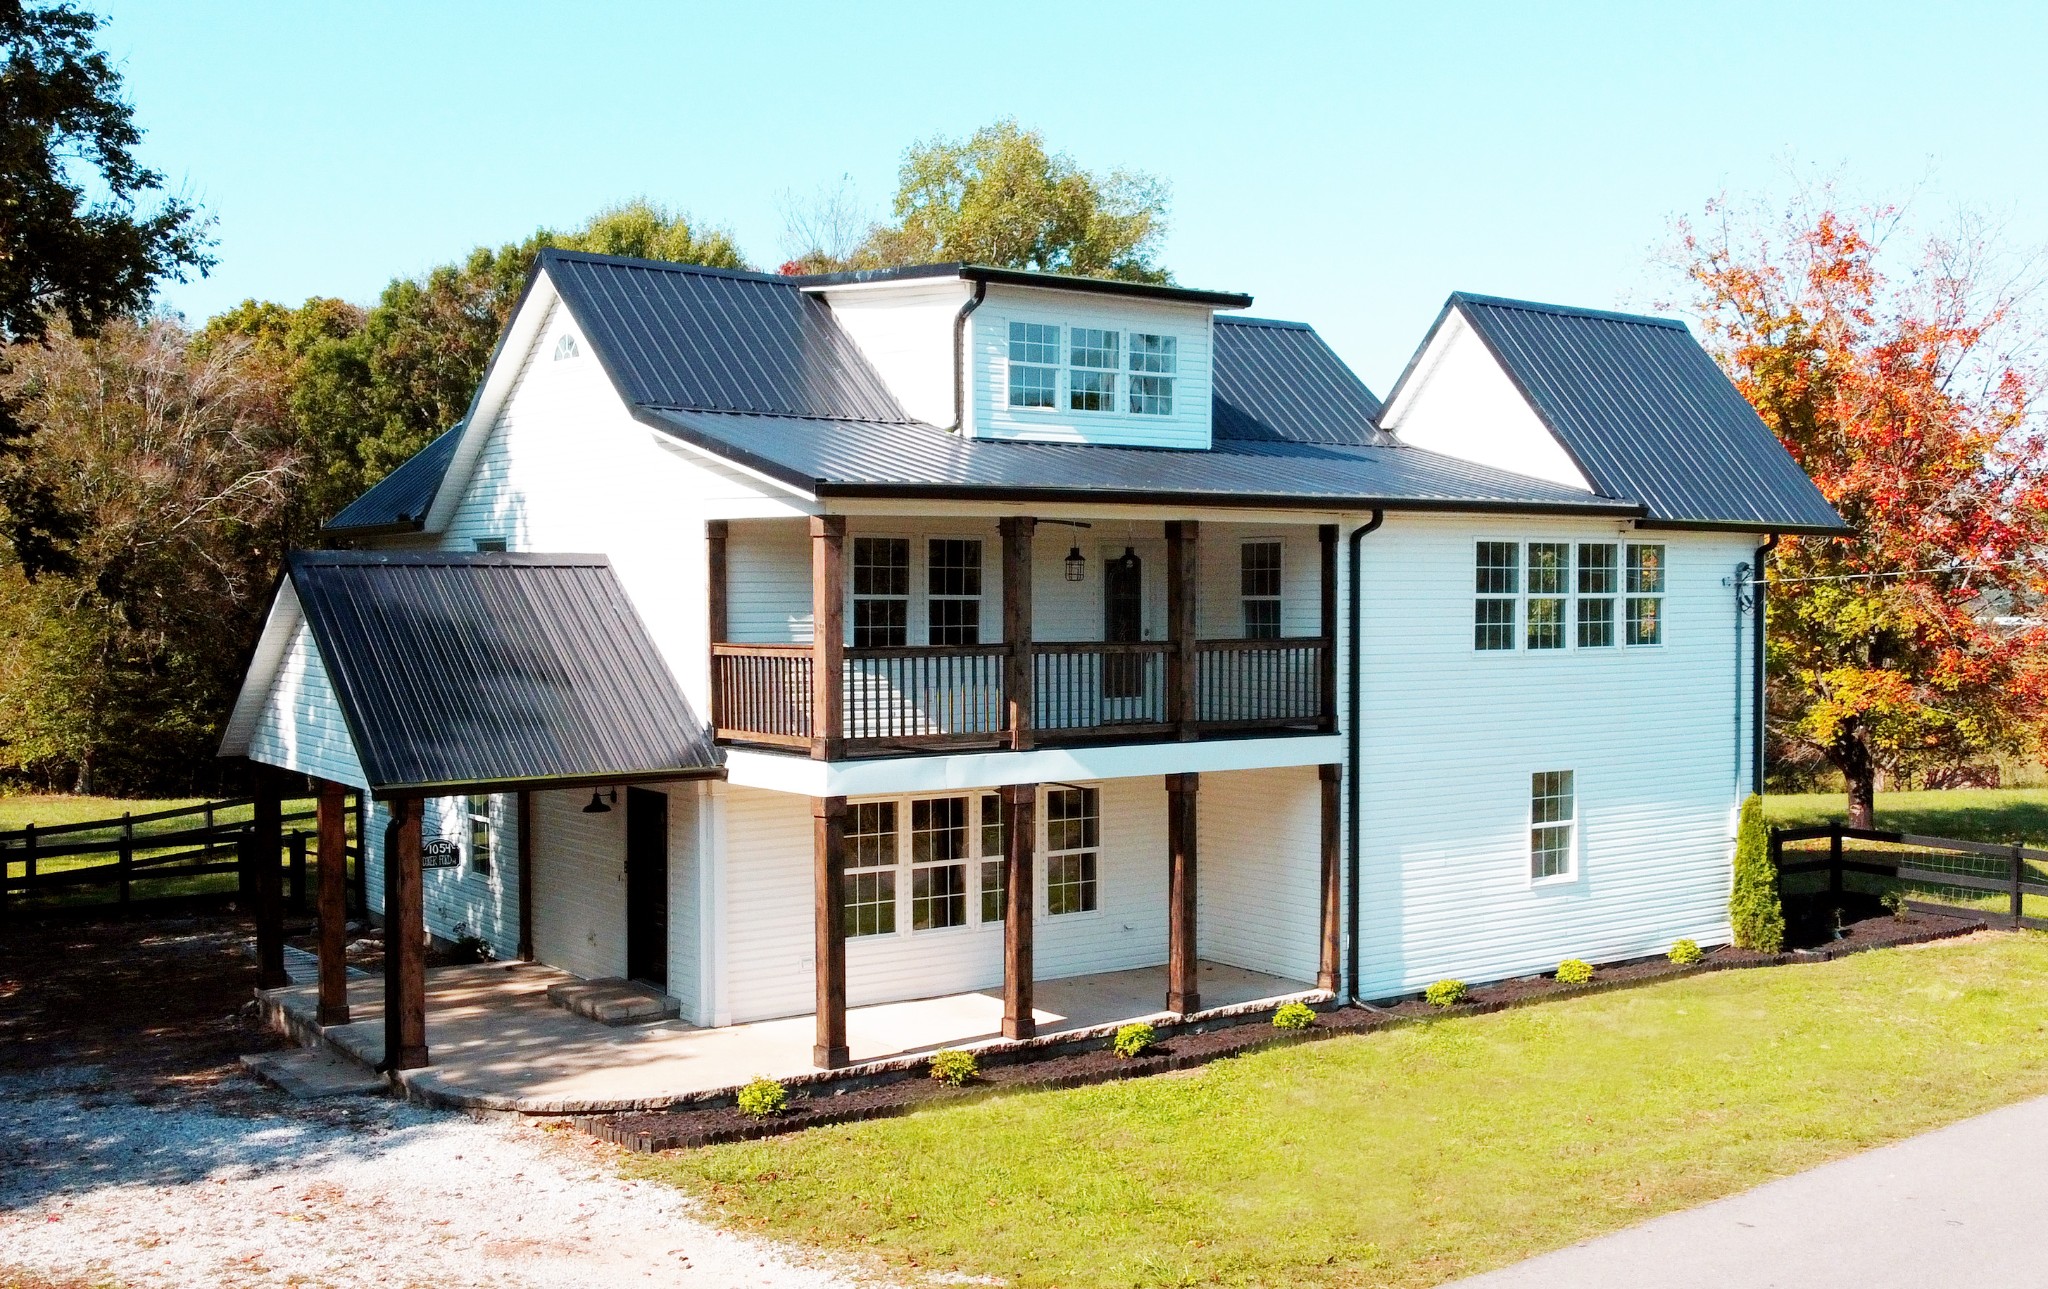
[(1123, 622), (647, 887)]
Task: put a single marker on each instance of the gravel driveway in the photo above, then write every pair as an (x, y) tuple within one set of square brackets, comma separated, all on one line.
[(95, 1185)]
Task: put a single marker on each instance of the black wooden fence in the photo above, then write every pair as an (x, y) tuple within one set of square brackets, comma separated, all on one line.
[(100, 863), (1951, 866)]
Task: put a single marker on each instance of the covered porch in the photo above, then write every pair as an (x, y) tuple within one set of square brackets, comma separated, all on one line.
[(499, 1044)]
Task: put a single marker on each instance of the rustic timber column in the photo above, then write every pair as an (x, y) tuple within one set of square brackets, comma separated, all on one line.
[(1017, 532), (405, 951), (716, 588), (525, 825), (1183, 992), (829, 841), (266, 838), (331, 821), (828, 635), (1020, 830), (1182, 539), (1332, 881), (1327, 534)]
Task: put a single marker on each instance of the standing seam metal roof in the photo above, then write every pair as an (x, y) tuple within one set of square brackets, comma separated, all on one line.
[(399, 501)]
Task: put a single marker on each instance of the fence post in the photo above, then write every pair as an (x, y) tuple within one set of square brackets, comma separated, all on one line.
[(2019, 869), (1835, 862), (6, 864), (28, 861), (127, 861), (298, 849)]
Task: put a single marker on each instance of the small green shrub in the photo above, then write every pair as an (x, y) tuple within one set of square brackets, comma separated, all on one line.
[(1445, 993), (1294, 1016), (1133, 1040), (1895, 900), (762, 1098), (1685, 952), (955, 1067), (1753, 904), (1574, 971)]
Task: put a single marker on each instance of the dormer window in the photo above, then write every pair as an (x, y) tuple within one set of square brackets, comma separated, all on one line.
[(1153, 366), (1092, 353), (1098, 369), (1034, 365)]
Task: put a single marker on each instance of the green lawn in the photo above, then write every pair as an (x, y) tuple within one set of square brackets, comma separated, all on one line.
[(1415, 1156), (47, 810), (1977, 814)]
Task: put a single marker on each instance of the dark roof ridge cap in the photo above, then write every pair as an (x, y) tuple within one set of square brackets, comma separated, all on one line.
[(1565, 310), (550, 253)]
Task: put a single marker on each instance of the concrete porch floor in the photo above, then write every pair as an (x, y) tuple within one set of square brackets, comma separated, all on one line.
[(497, 1043)]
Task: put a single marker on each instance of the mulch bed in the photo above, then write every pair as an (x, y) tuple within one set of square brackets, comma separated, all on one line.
[(1089, 1061)]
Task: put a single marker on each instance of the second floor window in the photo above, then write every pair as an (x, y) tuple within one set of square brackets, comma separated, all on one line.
[(1153, 365), (1093, 356), (953, 591), (1091, 369), (881, 592), (1584, 595), (1497, 580), (1259, 586), (1645, 595), (1034, 365)]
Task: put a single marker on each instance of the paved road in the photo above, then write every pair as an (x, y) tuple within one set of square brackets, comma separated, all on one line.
[(1963, 1205)]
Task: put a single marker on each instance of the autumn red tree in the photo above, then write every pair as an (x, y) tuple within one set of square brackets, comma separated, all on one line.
[(1905, 383)]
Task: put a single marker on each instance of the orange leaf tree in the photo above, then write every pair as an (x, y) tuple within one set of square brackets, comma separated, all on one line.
[(1910, 648)]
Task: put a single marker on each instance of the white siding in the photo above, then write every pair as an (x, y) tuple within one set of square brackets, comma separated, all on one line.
[(1220, 601), (459, 901), (684, 931), (1451, 736), (579, 885), (1259, 869), (988, 344), (300, 725), (906, 332), (1459, 402)]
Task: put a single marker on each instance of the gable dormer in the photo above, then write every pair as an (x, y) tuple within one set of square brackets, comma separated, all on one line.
[(1037, 357)]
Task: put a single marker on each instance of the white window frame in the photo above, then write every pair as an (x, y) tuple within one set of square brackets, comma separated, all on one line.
[(1611, 596), (912, 567), (1279, 597), (1571, 595), (1046, 849), (1629, 598), (980, 597), (471, 817), (1569, 823), (1128, 367), (904, 866), (990, 868)]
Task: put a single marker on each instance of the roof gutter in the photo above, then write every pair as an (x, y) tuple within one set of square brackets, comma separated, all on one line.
[(960, 354), (1351, 753), (1756, 763)]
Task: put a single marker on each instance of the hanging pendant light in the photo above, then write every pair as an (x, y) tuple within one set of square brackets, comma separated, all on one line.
[(1077, 568), (597, 804)]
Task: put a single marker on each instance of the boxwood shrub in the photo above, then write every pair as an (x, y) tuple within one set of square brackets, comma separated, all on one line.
[(1294, 1016), (955, 1067), (762, 1098), (1445, 993), (1134, 1039), (1574, 971), (1685, 953)]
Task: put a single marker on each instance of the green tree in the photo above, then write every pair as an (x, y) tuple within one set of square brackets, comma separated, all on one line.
[(1754, 906), (74, 244)]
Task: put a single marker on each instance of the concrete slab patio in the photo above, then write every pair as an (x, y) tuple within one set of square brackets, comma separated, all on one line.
[(497, 1043)]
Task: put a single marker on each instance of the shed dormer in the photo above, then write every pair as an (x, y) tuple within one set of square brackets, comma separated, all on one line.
[(1037, 357)]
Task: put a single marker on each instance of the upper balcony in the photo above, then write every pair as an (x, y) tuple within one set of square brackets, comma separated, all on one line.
[(1115, 632)]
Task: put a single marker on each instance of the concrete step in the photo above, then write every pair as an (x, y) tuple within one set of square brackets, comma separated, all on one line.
[(313, 1073), (613, 1001)]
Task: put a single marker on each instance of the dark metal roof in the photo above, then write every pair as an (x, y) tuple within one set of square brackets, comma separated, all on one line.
[(1026, 277), (675, 335), (398, 502), (1645, 412), (475, 671), (867, 458), (1278, 381)]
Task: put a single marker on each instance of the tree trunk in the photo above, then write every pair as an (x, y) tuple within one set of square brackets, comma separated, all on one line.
[(1859, 772)]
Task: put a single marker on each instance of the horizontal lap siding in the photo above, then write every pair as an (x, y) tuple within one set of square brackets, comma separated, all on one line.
[(579, 885), (301, 726), (1220, 595), (1451, 737), (1259, 870), (458, 901)]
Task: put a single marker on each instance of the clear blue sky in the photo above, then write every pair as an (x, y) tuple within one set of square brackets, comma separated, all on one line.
[(1347, 165)]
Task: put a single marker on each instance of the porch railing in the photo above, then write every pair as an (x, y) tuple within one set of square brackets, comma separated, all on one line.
[(910, 698)]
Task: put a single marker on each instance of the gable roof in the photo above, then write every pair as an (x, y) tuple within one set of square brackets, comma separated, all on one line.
[(460, 671), (1645, 413), (1278, 382), (398, 502)]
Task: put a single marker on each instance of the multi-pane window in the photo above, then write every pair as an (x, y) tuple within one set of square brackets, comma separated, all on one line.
[(938, 863), (871, 860), (1072, 835), (1093, 362), (992, 853), (1153, 364), (1599, 579), (1552, 818), (1550, 567), (479, 834), (1645, 588), (1034, 365), (881, 592), (953, 591), (1259, 587), (1496, 583)]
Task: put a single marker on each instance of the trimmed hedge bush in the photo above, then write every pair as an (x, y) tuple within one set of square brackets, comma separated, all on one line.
[(1754, 905), (1685, 953), (1294, 1016), (1445, 993), (1134, 1039), (955, 1067), (1574, 971), (762, 1098)]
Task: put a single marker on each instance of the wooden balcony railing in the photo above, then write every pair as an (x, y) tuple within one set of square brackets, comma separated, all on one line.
[(917, 698)]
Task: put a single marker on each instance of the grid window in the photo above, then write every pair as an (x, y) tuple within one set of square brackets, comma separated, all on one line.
[(1153, 364), (992, 862), (1034, 365), (1596, 623), (480, 834), (953, 586), (1645, 587), (870, 884), (1093, 360), (881, 592), (938, 863), (1072, 832), (1550, 567), (1496, 581), (1259, 585), (1552, 819), (1599, 579)]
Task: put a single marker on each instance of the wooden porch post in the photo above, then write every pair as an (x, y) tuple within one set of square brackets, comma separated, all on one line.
[(1183, 991), (828, 635), (1182, 541), (524, 822), (829, 841), (405, 956), (1020, 830), (1327, 534), (1017, 532), (266, 839), (331, 821), (715, 532), (1332, 880)]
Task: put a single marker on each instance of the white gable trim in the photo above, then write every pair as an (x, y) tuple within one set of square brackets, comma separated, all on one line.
[(1457, 399), (288, 714), (528, 320), (279, 627)]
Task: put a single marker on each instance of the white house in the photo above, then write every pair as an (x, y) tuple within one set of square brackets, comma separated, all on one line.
[(1152, 607)]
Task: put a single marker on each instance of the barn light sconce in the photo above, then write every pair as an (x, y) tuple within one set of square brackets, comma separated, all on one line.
[(597, 804), (1077, 568)]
